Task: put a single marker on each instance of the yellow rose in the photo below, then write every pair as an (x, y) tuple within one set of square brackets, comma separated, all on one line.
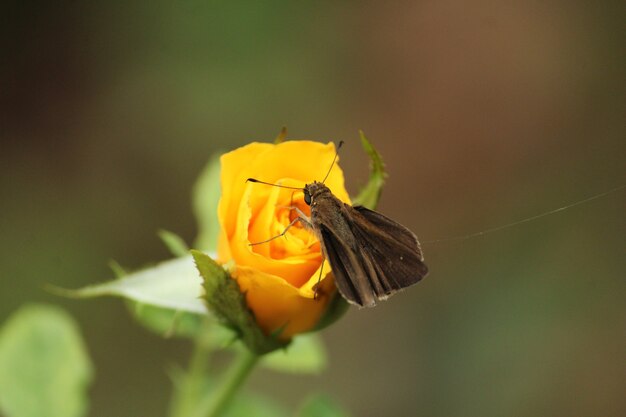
[(277, 277)]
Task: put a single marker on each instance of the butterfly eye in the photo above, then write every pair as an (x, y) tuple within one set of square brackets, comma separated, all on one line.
[(307, 198)]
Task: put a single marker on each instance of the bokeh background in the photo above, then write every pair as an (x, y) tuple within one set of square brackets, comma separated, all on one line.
[(486, 112)]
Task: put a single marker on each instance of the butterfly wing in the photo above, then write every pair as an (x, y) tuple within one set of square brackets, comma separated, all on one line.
[(377, 258), (350, 276), (383, 223)]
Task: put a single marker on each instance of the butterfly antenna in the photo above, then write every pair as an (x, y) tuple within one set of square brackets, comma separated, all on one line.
[(334, 160), (273, 185)]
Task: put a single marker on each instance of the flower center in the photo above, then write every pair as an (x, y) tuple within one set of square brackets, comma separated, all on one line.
[(298, 240)]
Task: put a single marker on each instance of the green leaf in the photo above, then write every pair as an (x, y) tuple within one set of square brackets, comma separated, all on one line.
[(206, 196), (370, 194), (321, 405), (253, 405), (174, 243), (175, 323), (304, 355), (167, 322), (44, 367), (223, 296), (173, 284)]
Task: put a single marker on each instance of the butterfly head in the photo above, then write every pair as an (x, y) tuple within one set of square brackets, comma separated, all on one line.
[(314, 190)]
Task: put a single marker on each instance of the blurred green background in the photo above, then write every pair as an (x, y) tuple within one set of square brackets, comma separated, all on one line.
[(485, 113)]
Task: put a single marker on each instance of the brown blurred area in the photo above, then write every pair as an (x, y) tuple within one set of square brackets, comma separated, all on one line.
[(485, 113)]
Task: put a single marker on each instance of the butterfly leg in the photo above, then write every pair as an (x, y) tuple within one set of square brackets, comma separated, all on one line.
[(304, 219), (317, 286), (291, 207), (297, 219)]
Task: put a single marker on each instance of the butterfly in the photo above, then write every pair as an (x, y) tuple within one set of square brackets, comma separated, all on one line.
[(371, 256)]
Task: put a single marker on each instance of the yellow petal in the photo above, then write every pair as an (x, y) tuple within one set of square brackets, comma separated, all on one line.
[(277, 304), (279, 277)]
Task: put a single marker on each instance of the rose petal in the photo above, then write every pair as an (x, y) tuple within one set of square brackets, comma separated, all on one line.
[(278, 276), (279, 305)]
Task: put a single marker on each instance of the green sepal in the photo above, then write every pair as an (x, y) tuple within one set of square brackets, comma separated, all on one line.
[(224, 298), (282, 136), (370, 193)]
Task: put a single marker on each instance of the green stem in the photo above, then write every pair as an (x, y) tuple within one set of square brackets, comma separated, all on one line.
[(229, 384), (194, 381)]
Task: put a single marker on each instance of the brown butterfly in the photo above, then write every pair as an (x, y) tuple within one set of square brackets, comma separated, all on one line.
[(371, 256)]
